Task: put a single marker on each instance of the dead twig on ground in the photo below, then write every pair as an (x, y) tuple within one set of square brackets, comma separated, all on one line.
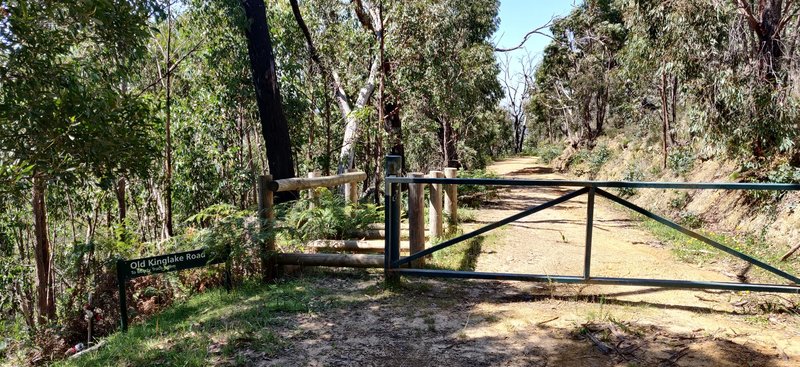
[(546, 321), (599, 344), (673, 359)]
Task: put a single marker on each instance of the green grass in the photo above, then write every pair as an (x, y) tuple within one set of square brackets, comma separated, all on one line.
[(693, 251), (462, 256), (211, 328)]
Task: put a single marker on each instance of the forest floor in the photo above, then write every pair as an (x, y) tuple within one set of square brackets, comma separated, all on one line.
[(349, 318)]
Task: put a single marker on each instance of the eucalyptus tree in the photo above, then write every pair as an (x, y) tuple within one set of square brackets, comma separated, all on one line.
[(339, 24), (576, 76), (65, 107), (447, 74), (274, 125)]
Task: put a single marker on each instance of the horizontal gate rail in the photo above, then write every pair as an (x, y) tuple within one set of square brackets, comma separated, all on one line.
[(665, 283), (599, 184), (395, 266)]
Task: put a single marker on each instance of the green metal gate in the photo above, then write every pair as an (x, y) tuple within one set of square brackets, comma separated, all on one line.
[(395, 266)]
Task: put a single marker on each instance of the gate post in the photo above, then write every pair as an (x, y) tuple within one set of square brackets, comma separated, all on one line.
[(123, 296), (587, 260), (391, 197), (435, 208), (416, 219), (451, 200)]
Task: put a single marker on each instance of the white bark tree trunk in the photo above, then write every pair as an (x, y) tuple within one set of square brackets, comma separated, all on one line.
[(347, 153)]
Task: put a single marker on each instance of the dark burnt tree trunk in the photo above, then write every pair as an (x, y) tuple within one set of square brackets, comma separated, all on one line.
[(768, 21), (771, 48), (122, 203), (274, 126), (46, 304), (447, 140), (394, 127)]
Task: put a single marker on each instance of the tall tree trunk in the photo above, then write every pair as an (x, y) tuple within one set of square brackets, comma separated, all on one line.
[(351, 131), (674, 108), (347, 152), (168, 227), (664, 117), (394, 127), (771, 48), (122, 203), (327, 162), (447, 139), (44, 273), (389, 110), (768, 27), (274, 126)]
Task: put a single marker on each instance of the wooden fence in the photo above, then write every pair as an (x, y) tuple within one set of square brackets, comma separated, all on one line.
[(442, 203)]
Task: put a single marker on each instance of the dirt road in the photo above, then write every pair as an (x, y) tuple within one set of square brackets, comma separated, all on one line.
[(497, 323)]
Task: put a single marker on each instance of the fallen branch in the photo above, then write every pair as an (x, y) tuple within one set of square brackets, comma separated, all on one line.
[(602, 347), (792, 251), (673, 359)]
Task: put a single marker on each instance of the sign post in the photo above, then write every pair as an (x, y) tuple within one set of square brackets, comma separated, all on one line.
[(129, 269)]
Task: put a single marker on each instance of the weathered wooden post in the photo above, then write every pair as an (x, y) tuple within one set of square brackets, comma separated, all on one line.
[(435, 207), (351, 191), (312, 193), (451, 199), (416, 218), (266, 216)]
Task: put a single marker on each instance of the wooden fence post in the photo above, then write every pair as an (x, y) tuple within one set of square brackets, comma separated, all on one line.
[(451, 199), (435, 207), (416, 218), (266, 215), (312, 193), (351, 191)]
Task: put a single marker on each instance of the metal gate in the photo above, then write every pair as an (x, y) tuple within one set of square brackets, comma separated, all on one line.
[(394, 265)]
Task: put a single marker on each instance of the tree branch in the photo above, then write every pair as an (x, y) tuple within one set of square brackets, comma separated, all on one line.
[(537, 30), (745, 8), (364, 18), (788, 17), (171, 69)]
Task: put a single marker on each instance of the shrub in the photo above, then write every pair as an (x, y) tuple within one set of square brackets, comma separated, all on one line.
[(632, 173), (329, 218), (680, 201), (783, 173), (680, 160), (472, 196), (596, 159), (691, 220), (547, 153)]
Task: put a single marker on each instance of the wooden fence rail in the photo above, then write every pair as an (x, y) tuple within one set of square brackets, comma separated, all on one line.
[(442, 202), (305, 183)]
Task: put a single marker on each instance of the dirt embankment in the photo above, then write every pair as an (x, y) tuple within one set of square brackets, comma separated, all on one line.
[(736, 213)]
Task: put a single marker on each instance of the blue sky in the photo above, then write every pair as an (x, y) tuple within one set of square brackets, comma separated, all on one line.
[(518, 17)]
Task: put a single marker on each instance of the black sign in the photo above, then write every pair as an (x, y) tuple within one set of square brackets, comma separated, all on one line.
[(171, 262), (127, 269)]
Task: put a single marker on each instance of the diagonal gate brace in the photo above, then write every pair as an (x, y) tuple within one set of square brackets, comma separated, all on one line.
[(490, 227), (698, 236)]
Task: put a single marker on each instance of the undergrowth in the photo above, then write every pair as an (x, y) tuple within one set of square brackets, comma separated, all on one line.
[(326, 217), (547, 152), (693, 251), (472, 196)]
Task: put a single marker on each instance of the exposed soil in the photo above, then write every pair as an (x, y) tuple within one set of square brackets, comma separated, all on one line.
[(483, 323)]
